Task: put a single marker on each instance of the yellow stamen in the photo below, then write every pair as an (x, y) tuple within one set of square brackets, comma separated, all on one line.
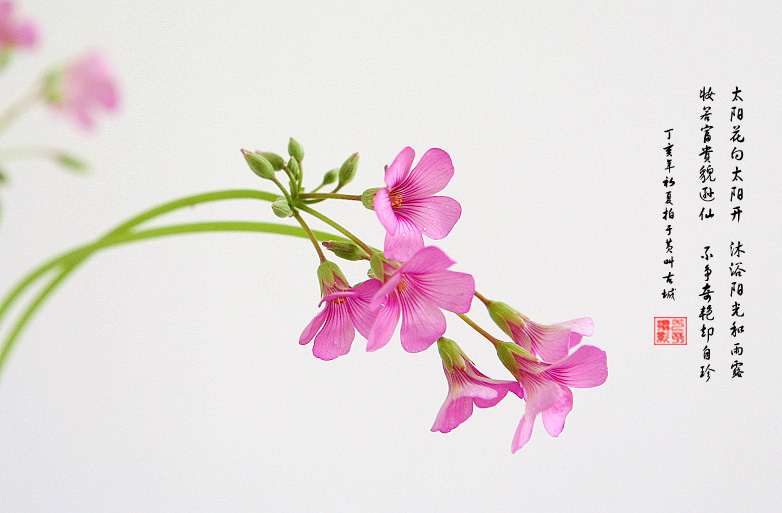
[(396, 200)]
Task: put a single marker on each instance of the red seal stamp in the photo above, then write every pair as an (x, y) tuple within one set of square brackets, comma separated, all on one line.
[(670, 331)]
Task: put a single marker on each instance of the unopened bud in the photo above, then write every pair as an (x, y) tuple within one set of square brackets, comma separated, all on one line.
[(502, 314), (451, 354), (328, 272), (346, 249), (281, 208), (376, 266), (259, 165), (3, 179), (293, 165), (368, 198), (71, 162), (295, 150), (348, 169), (330, 177), (275, 160)]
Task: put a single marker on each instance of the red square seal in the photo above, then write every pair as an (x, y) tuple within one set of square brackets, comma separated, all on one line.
[(670, 331)]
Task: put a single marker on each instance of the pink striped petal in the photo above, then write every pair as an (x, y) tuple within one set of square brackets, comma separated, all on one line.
[(450, 290), (422, 321), (385, 323), (358, 306), (585, 368), (554, 416), (452, 413), (426, 261), (400, 167), (405, 241), (430, 176), (312, 328), (583, 327), (337, 334), (382, 205), (386, 293), (523, 432), (434, 215), (551, 343)]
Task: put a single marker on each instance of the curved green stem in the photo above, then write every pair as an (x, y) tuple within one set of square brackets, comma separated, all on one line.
[(20, 106), (337, 227), (121, 238), (311, 235), (327, 195), (480, 330)]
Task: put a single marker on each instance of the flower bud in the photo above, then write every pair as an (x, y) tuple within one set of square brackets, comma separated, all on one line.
[(348, 169), (275, 160), (3, 179), (295, 150), (376, 265), (328, 273), (71, 162), (259, 165), (348, 250), (281, 208), (330, 177), (502, 314), (368, 197), (451, 354), (293, 165)]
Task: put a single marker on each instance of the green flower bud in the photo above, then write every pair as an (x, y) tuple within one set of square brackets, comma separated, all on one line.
[(3, 179), (328, 272), (376, 265), (348, 250), (293, 165), (259, 165), (281, 208), (451, 354), (295, 150), (348, 169), (502, 314), (71, 162), (275, 160), (368, 198), (330, 177)]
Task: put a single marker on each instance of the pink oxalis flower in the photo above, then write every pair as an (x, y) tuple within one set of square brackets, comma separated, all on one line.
[(551, 343), (14, 33), (416, 292), (466, 386), (546, 385), (347, 309), (406, 207), (84, 87)]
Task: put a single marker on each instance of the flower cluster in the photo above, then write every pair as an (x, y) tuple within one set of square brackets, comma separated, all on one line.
[(415, 283)]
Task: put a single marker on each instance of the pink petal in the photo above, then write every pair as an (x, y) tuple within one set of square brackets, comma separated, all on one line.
[(358, 306), (337, 334), (523, 432), (400, 167), (434, 215), (426, 261), (554, 416), (430, 176), (405, 242), (385, 293), (385, 323), (583, 369), (579, 327), (453, 412), (502, 388), (450, 290), (312, 328), (551, 343), (422, 321), (386, 215)]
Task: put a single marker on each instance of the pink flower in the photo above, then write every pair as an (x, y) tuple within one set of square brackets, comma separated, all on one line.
[(12, 32), (86, 86), (546, 385), (347, 309), (551, 343), (416, 292), (406, 207), (466, 386)]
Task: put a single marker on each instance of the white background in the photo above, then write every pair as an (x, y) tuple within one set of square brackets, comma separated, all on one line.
[(167, 375)]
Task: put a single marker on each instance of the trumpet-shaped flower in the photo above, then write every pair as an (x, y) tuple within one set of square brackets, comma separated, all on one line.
[(416, 292), (347, 309), (546, 386), (466, 386), (551, 343), (84, 87), (13, 32), (406, 206)]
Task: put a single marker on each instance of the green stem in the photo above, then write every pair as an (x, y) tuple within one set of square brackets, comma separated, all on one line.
[(337, 227), (485, 301), (327, 195), (306, 228), (121, 238), (480, 330), (20, 106)]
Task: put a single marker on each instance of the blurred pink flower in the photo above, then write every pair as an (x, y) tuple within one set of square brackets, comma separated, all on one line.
[(416, 292), (406, 207), (549, 342), (546, 385), (347, 309), (12, 32), (86, 86), (466, 386)]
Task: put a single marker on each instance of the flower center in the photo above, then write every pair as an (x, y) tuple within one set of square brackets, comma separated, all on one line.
[(401, 287), (396, 200), (341, 300)]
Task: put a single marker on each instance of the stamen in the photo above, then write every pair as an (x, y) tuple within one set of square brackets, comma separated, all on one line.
[(396, 200)]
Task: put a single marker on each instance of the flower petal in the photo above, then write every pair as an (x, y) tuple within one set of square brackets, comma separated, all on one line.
[(358, 306), (313, 327), (429, 176), (450, 290), (405, 242), (523, 432), (386, 215), (385, 323), (337, 334), (427, 260), (434, 215), (400, 167), (386, 293), (583, 369), (550, 343), (422, 321), (554, 416), (453, 412), (583, 326)]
